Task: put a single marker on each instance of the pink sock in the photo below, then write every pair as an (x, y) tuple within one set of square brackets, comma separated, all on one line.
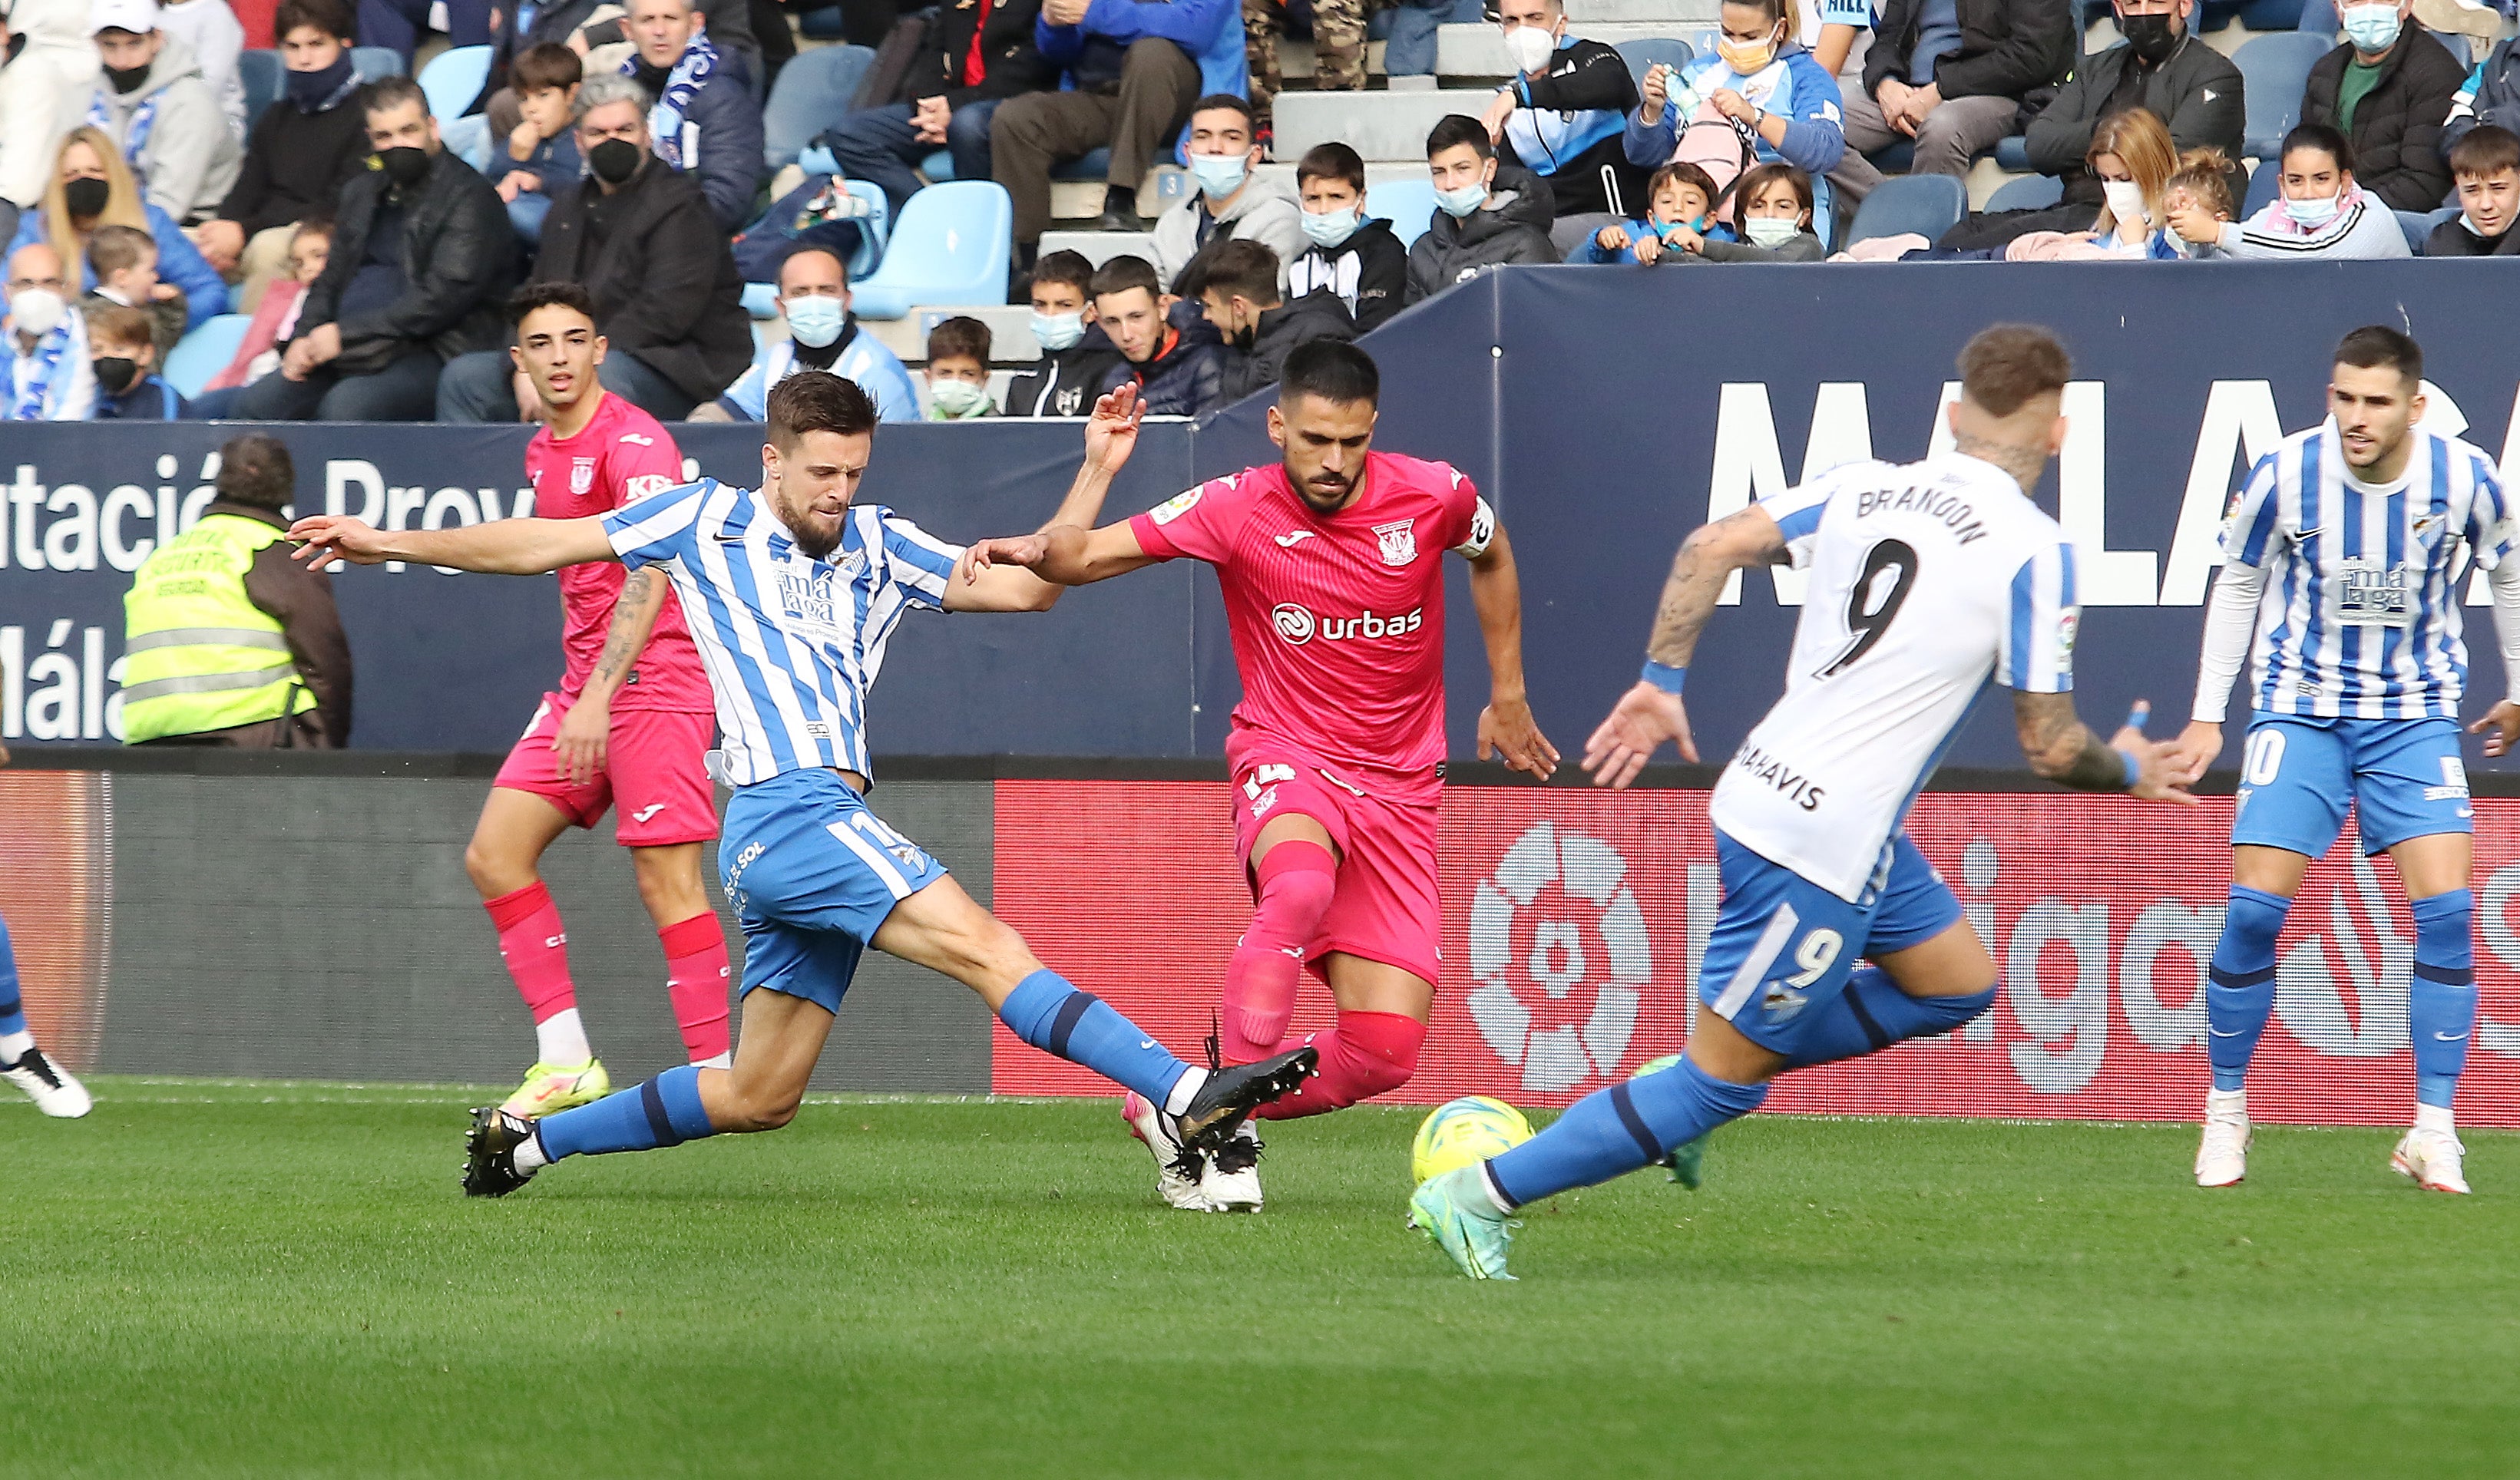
[(1295, 883), (535, 947), (1362, 1054), (696, 979)]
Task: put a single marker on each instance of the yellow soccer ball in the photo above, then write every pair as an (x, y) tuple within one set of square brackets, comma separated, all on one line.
[(1473, 1128)]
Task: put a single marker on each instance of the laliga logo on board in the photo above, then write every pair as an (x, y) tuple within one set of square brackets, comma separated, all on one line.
[(1590, 875)]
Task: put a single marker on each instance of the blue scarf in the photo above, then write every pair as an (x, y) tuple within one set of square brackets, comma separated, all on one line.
[(137, 139), (665, 120), (29, 403)]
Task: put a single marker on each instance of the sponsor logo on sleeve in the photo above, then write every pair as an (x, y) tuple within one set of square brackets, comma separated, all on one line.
[(1174, 507)]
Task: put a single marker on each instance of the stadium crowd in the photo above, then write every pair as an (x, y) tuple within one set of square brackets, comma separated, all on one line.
[(347, 244)]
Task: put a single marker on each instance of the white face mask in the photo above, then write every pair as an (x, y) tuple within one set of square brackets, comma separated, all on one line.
[(2312, 211), (1530, 46), (1771, 231), (36, 312), (2126, 201)]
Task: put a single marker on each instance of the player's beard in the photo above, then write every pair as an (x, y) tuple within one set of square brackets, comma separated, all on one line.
[(816, 543)]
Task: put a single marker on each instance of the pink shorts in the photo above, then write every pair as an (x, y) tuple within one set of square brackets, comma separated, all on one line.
[(652, 768), (1388, 906)]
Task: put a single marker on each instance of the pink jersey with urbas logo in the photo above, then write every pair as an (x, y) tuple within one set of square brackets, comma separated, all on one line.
[(619, 456), (1337, 619)]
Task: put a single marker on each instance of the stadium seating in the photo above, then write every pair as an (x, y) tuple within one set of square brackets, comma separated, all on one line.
[(1642, 55), (205, 351), (875, 228), (1926, 204), (951, 246), (2029, 193), (2418, 225), (453, 78), (1408, 204), (810, 94), (2274, 70), (261, 74), (2261, 189), (372, 63)]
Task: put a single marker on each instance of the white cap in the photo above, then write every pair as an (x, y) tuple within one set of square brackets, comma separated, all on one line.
[(138, 17)]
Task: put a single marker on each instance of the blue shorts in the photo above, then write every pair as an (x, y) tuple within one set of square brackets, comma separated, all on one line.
[(813, 874), (2404, 777), (1782, 944)]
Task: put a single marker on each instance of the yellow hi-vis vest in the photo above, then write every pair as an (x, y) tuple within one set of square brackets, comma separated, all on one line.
[(199, 654)]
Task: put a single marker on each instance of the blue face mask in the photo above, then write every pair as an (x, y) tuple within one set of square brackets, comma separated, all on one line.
[(2371, 27), (1462, 201), (1329, 228), (1057, 331), (1219, 175), (815, 322)]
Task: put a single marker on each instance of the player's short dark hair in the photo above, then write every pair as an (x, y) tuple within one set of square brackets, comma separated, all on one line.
[(1240, 268), (1757, 177), (119, 324), (2377, 346), (960, 338), (1063, 266), (117, 248), (255, 470), (2004, 366), (1121, 274), (387, 93), (331, 17), (548, 292), (1331, 161), (1459, 128), (1331, 370), (2488, 150), (2320, 137), (540, 69), (1225, 102), (817, 400)]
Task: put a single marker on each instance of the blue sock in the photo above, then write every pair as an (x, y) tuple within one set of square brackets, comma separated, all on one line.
[(2241, 986), (2441, 1005), (1872, 1013), (13, 1012), (1057, 1018), (1610, 1131), (665, 1112)]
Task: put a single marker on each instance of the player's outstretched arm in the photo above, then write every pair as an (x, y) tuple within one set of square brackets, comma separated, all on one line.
[(2062, 750), (1506, 726), (501, 547), (1652, 713), (1027, 573)]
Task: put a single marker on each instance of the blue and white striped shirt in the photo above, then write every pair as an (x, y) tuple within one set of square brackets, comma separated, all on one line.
[(792, 644), (2359, 617)]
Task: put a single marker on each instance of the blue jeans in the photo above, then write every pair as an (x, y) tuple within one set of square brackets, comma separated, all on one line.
[(879, 146), (1410, 48), (480, 387), (400, 392)]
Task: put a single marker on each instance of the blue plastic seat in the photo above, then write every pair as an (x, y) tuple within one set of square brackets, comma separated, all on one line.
[(1408, 204), (2419, 225), (2274, 71), (938, 167), (204, 352), (453, 78), (2261, 188), (1926, 204), (761, 299), (2029, 193), (951, 246), (263, 78), (376, 62), (2013, 154), (875, 228), (830, 23), (813, 94), (1640, 54)]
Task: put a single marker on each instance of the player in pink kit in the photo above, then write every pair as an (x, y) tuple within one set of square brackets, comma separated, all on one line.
[(1331, 563), (627, 729)]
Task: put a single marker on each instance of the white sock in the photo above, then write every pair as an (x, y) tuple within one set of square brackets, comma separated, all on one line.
[(2227, 1100), (14, 1046), (560, 1039), (1185, 1090), (529, 1156), (2434, 1117), (1495, 1198), (725, 1060)]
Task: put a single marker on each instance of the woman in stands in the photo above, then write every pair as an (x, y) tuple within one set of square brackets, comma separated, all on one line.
[(1760, 82), (2133, 159), (91, 186)]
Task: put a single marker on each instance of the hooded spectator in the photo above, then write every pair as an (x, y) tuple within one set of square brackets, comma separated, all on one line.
[(1232, 201), (309, 143), (1565, 117), (154, 108), (1350, 255), (1486, 213), (1180, 371), (2388, 88), (1078, 362), (92, 187)]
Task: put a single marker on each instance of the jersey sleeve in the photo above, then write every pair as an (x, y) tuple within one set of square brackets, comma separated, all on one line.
[(2489, 533), (1797, 512), (643, 462), (1199, 523), (2249, 533), (2035, 654), (657, 529), (1469, 525), (917, 561)]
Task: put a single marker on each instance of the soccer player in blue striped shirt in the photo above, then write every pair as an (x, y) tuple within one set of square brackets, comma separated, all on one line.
[(2343, 554), (792, 594)]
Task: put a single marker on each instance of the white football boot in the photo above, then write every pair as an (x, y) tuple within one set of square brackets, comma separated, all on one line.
[(1179, 1170), (2223, 1158), (2432, 1158), (51, 1087), (1231, 1183)]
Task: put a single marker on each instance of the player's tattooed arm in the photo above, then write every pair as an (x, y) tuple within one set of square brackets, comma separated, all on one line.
[(1706, 560), (2061, 749), (586, 731)]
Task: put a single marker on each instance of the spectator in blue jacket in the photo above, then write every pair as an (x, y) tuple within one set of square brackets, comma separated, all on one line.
[(1759, 79), (1133, 67), (92, 187), (706, 121), (814, 300)]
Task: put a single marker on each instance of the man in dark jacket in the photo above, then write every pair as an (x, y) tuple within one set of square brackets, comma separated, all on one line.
[(301, 151), (2161, 65), (638, 236), (1486, 214), (421, 258), (2389, 90), (1358, 260), (2486, 163), (707, 122), (1238, 289), (1180, 371), (2491, 95), (1565, 117), (1077, 363), (1952, 76), (975, 55)]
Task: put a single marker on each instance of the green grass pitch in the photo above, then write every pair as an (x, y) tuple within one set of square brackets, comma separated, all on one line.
[(273, 1279)]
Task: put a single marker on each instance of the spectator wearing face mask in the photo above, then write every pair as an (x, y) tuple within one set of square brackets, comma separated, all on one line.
[(154, 106), (1179, 374), (1077, 363), (307, 145), (1675, 225), (2388, 88), (2486, 163), (1358, 261), (2321, 211), (1777, 219), (2133, 160), (958, 370), (1953, 74), (1759, 80), (1564, 118), (814, 300), (50, 378), (94, 189), (128, 387), (1487, 215), (1239, 294), (1231, 202)]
